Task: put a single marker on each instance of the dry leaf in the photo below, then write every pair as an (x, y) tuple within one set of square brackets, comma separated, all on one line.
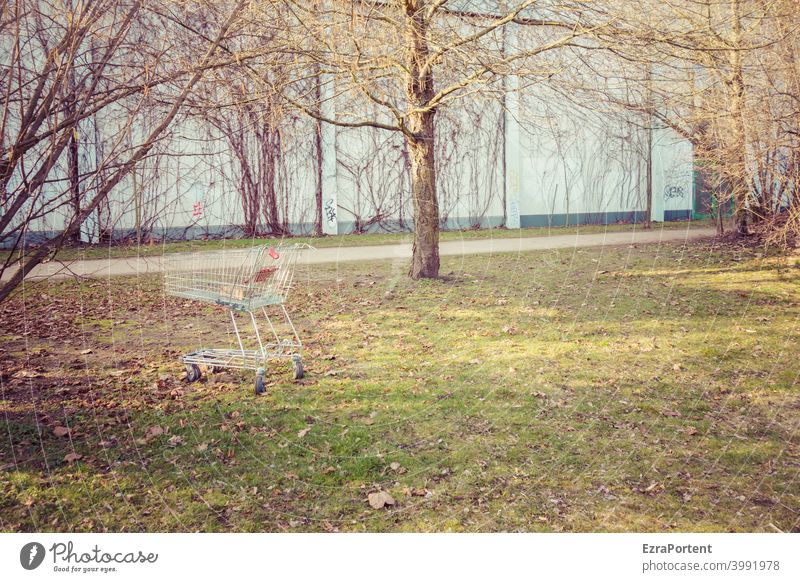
[(60, 431), (380, 499), (154, 431), (85, 352), (303, 432), (72, 457), (174, 441)]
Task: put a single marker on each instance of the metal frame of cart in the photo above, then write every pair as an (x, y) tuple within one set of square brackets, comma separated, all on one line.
[(247, 281)]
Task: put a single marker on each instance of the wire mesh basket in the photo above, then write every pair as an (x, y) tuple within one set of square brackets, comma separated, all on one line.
[(245, 281)]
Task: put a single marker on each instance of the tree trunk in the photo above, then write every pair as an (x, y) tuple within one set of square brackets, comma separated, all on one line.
[(319, 154), (648, 218), (73, 162), (648, 211), (739, 180), (74, 179), (104, 228), (425, 259), (271, 193), (421, 150)]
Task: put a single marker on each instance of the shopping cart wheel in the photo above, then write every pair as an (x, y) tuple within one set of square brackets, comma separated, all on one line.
[(193, 372), (297, 369), (260, 382)]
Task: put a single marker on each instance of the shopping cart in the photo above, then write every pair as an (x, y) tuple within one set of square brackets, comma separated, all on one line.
[(247, 282)]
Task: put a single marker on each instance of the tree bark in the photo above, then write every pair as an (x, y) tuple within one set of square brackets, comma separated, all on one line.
[(421, 150), (648, 218), (270, 191), (74, 179), (318, 152), (739, 180), (648, 212), (425, 256)]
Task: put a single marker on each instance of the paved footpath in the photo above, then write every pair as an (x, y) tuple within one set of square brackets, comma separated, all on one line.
[(145, 265)]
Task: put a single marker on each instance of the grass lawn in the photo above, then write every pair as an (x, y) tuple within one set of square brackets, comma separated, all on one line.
[(345, 240), (633, 388)]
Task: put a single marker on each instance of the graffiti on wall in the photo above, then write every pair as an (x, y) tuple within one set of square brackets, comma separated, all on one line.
[(330, 211), (672, 192)]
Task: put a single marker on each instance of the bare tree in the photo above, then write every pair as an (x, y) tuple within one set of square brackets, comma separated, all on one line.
[(411, 58), (41, 106), (720, 74)]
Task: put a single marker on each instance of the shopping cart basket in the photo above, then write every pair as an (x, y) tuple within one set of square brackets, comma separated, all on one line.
[(250, 282)]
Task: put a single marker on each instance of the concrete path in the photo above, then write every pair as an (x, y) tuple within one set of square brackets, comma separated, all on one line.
[(144, 265)]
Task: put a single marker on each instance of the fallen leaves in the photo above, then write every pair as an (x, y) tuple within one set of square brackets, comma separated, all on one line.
[(396, 467), (175, 441), (72, 457), (417, 492), (380, 499), (26, 374), (653, 488), (153, 432), (150, 434), (60, 431), (303, 432)]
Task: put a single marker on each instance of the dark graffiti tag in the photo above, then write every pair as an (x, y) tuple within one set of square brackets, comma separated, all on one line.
[(330, 211), (674, 192)]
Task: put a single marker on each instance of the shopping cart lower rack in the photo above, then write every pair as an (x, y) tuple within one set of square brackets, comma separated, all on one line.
[(247, 282)]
